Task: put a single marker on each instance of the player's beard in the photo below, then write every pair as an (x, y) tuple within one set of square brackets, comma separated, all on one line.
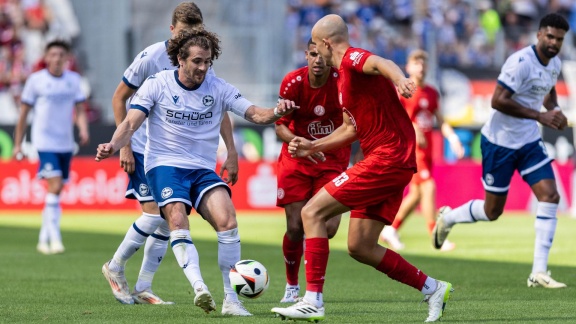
[(546, 51)]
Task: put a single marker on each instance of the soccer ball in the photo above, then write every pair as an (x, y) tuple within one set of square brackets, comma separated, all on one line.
[(249, 278)]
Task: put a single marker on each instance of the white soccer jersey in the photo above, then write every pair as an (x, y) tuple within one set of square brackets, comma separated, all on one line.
[(530, 81), (53, 100), (184, 123)]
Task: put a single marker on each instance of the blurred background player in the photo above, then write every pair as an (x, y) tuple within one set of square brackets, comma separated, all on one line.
[(185, 109), (314, 89), (422, 108), (150, 227), (511, 141), (58, 102), (372, 189)]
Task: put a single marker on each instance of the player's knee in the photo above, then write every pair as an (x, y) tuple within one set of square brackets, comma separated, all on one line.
[(177, 220), (226, 223), (295, 231), (358, 252), (551, 197), (492, 213)]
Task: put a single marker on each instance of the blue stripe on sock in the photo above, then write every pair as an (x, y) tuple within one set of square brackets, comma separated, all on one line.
[(160, 237), (180, 241), (545, 217), (139, 231), (471, 215)]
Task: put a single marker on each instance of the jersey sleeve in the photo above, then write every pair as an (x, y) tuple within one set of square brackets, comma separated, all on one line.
[(140, 69), (29, 94), (80, 97), (356, 59), (147, 96), (514, 72), (233, 101), (287, 91)]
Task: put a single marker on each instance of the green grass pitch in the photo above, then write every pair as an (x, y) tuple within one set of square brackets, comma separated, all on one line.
[(488, 269)]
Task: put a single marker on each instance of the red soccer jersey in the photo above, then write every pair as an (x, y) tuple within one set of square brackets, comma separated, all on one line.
[(319, 114), (421, 109), (380, 120)]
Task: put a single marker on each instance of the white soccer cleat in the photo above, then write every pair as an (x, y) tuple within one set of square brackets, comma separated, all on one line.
[(235, 308), (43, 248), (448, 246), (441, 230), (118, 283), (56, 247), (391, 237), (300, 311), (543, 279), (147, 296), (204, 300), (291, 294), (437, 301)]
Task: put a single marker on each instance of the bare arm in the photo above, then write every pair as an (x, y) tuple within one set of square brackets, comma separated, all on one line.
[(82, 123), (121, 95), (231, 163), (450, 135), (551, 99), (376, 65), (122, 135), (260, 115), (284, 133), (20, 130)]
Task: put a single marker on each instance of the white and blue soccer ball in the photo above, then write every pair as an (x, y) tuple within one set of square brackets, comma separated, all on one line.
[(249, 278)]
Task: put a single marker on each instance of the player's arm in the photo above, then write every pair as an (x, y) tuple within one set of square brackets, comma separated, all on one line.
[(82, 123), (450, 135), (551, 103), (284, 133), (260, 115), (376, 65), (20, 130), (122, 134), (122, 93), (503, 102), (231, 163)]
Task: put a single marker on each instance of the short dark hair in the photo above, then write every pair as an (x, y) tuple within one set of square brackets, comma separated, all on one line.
[(310, 42), (554, 20), (57, 43), (179, 46), (187, 13)]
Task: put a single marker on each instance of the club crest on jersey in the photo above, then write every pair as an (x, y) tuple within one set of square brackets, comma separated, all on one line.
[(319, 110), (208, 100), (143, 189), (167, 192), (175, 98)]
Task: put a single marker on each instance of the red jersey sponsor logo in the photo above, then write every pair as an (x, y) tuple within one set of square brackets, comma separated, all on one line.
[(317, 130), (356, 57)]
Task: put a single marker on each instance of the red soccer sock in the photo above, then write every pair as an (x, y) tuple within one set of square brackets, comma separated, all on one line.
[(293, 252), (431, 227), (316, 256), (395, 267), (397, 223)]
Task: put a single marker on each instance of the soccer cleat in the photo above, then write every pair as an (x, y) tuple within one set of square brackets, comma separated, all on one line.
[(448, 246), (543, 279), (147, 296), (43, 248), (56, 247), (118, 284), (437, 301), (441, 230), (390, 236), (204, 300), (235, 308), (302, 310), (291, 294)]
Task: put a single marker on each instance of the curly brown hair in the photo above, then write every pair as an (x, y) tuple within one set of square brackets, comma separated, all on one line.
[(179, 46)]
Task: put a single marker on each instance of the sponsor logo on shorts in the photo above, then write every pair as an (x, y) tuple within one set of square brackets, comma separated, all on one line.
[(48, 167), (167, 192), (143, 189), (281, 193), (489, 179)]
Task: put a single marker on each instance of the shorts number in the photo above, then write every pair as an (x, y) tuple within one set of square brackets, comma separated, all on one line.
[(339, 180)]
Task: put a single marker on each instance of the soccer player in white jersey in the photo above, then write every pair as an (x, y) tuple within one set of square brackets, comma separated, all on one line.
[(511, 141), (185, 108), (55, 96), (150, 227)]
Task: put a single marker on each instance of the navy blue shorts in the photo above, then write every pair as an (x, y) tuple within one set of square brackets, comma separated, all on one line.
[(499, 163), (170, 184), (53, 164), (138, 186)]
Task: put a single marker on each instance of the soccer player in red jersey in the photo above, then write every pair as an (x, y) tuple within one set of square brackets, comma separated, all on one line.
[(314, 88), (372, 189), (422, 108)]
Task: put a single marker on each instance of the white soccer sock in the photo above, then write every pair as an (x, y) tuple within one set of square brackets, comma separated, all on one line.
[(430, 286), (545, 226), (228, 255), (53, 212), (44, 236), (314, 298), (470, 212), (134, 238), (187, 256), (154, 251)]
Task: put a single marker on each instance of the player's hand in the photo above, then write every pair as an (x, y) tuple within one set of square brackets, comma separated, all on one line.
[(420, 138), (17, 153), (553, 119), (563, 122), (127, 159), (315, 157), (231, 167), (406, 87), (456, 147), (84, 138), (284, 107), (104, 151), (300, 147)]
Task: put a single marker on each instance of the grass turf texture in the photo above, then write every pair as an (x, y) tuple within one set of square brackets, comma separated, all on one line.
[(489, 269)]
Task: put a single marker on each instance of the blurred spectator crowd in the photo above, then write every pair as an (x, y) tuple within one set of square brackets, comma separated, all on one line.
[(460, 33)]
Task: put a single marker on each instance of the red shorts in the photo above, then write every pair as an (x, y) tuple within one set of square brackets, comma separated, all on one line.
[(299, 180), (371, 190), (424, 166)]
